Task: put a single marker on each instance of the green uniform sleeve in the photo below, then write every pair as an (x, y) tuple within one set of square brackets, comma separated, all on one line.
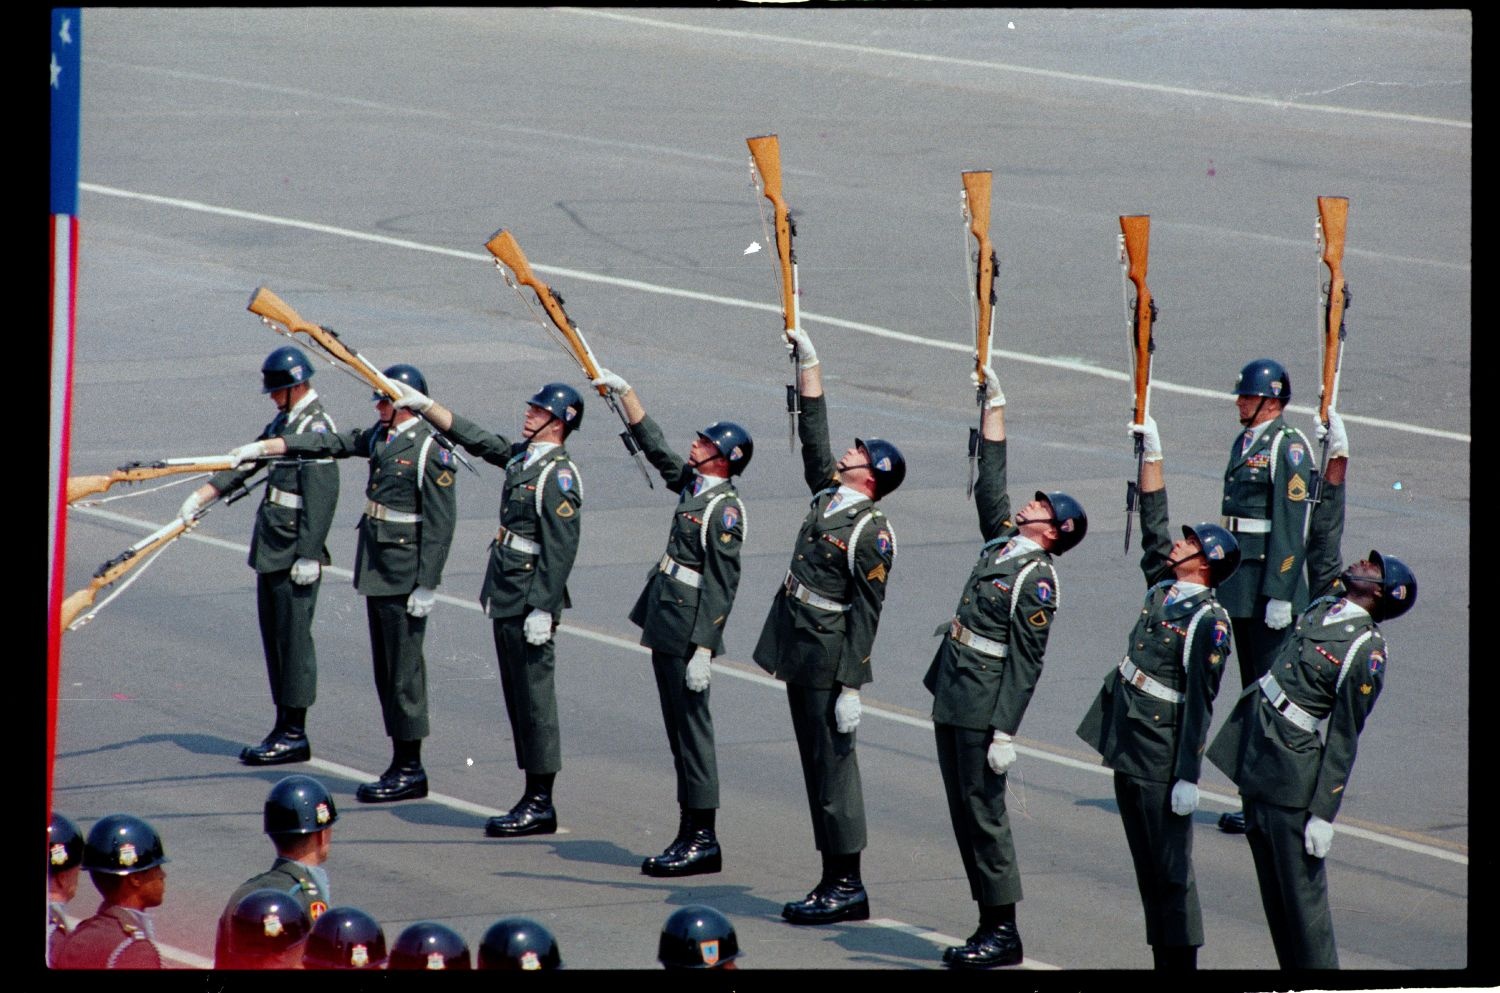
[(721, 571), (1031, 624), (557, 532), (818, 463), (874, 557), (319, 483), (493, 448), (991, 500), (1285, 549), (439, 500), (339, 445), (673, 469), (1325, 535), (1352, 704), (1156, 535), (1207, 657)]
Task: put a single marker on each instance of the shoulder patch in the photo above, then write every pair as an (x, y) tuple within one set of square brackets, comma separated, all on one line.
[(1377, 662), (883, 541), (316, 909), (730, 518), (1295, 453), (318, 427), (1221, 633), (444, 456), (564, 479), (1043, 590)]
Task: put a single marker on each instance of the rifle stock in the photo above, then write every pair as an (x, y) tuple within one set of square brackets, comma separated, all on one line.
[(81, 600), (1333, 220), (1135, 248), (977, 185), (135, 472), (270, 307), (765, 157)]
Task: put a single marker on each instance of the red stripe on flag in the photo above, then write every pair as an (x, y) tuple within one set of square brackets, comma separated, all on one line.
[(63, 301)]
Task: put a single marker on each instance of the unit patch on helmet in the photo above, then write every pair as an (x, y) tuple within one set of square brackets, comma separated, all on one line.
[(710, 952), (530, 961), (321, 815), (359, 956), (1276, 387), (271, 925), (1216, 552), (1296, 453), (565, 479), (316, 909), (1377, 661), (884, 465), (1221, 633), (1296, 490), (58, 854), (736, 453), (127, 855), (1043, 590), (569, 413), (435, 960), (1066, 525), (1398, 592), (731, 517)]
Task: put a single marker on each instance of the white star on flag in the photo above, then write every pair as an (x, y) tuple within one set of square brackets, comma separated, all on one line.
[(56, 70), (67, 39)]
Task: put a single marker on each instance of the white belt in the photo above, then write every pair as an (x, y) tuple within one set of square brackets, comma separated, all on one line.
[(1248, 525), (282, 498), (509, 539), (797, 591), (1284, 706), (982, 645), (380, 512), (1132, 674), (680, 572)]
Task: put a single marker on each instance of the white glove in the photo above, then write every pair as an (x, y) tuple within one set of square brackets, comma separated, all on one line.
[(1184, 797), (411, 397), (1338, 438), (698, 670), (608, 380), (846, 710), (994, 396), (1278, 614), (421, 601), (246, 453), (306, 571), (537, 627), (190, 507), (1317, 837), (1150, 438), (1002, 753), (807, 356)]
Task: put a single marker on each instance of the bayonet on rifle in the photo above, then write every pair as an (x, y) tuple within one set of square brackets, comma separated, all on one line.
[(765, 159), (1332, 227), (135, 472), (279, 316), (502, 245), (976, 208), (1135, 246)]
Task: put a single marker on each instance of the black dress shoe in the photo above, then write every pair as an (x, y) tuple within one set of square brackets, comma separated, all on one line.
[(991, 947), (949, 952), (843, 899), (533, 815), (691, 856), (278, 749), (1233, 822), (395, 784)]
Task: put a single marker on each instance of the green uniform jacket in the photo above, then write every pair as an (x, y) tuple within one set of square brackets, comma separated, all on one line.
[(846, 557), (288, 877), (111, 939), (1010, 599), (708, 531), (1270, 482), (1183, 646), (409, 473), (283, 535), (540, 504), (1333, 669)]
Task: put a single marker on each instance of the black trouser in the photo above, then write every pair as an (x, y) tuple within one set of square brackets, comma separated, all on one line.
[(286, 617), (1293, 887), (1161, 846), (690, 732), (830, 770), (976, 806), (526, 678), (400, 670), (1255, 645)]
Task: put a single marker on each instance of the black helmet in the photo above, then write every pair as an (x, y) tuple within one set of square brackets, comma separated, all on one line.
[(1398, 584), (518, 943), (64, 844), (121, 845), (408, 374), (733, 442), (344, 938), (697, 937), (287, 366), (1220, 548), (886, 462), (1067, 513), (266, 922), (299, 805), (562, 402), (1264, 378), (429, 945)]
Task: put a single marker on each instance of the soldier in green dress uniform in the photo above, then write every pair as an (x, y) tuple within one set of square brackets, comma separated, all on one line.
[(982, 677), (819, 634), (1150, 719), (299, 817), (1266, 486), (682, 610), (123, 856), (411, 505), (64, 863), (1329, 673), (526, 583), (287, 551)]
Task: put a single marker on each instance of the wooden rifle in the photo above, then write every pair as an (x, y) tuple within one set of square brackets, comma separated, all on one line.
[(135, 472), (976, 207), (279, 316), (765, 159), (502, 245), (1140, 317), (1332, 227)]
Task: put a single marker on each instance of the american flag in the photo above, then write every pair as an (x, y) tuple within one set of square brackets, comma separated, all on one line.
[(67, 44)]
